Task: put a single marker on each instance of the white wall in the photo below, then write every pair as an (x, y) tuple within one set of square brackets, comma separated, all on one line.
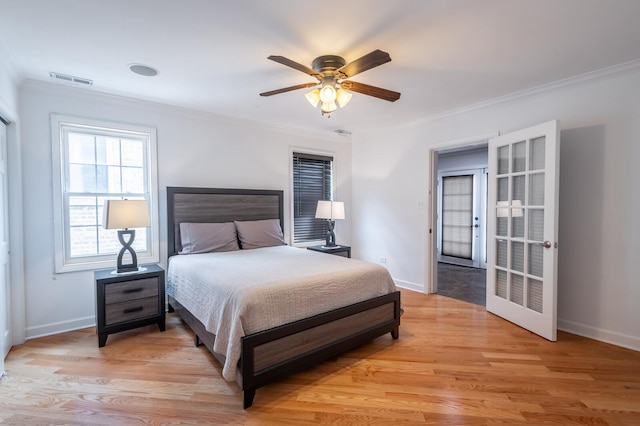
[(8, 91), (599, 241), (194, 149)]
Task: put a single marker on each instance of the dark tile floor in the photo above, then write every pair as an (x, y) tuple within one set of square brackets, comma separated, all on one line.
[(462, 283)]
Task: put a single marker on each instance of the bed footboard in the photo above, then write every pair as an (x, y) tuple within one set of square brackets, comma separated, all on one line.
[(269, 354), (282, 350)]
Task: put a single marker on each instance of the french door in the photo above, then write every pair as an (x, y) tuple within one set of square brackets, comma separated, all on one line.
[(522, 231), (5, 337)]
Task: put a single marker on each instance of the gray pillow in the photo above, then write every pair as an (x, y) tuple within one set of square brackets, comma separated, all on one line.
[(208, 237), (260, 233)]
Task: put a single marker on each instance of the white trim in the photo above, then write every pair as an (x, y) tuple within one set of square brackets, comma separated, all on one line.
[(607, 336), (431, 251), (409, 285), (468, 141), (16, 234), (98, 262), (577, 79), (60, 327)]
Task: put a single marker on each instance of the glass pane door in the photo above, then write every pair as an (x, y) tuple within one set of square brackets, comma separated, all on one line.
[(522, 228)]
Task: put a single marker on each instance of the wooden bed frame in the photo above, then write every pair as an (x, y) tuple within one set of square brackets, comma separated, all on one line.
[(272, 353)]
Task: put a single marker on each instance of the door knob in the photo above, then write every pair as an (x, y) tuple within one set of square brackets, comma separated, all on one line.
[(546, 244)]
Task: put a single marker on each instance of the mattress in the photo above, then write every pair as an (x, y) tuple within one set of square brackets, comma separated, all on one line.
[(238, 293)]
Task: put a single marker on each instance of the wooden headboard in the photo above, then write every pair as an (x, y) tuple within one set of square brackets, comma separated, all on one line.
[(209, 205)]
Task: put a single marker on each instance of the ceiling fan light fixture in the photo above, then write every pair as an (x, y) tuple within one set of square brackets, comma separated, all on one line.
[(343, 97), (331, 73), (313, 97), (328, 107)]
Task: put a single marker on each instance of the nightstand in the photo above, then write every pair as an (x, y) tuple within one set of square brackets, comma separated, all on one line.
[(126, 301), (344, 251)]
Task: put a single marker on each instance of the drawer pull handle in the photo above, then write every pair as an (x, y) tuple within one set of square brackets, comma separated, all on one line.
[(132, 290), (132, 310)]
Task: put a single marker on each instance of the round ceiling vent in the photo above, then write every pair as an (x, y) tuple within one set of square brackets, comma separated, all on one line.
[(144, 70)]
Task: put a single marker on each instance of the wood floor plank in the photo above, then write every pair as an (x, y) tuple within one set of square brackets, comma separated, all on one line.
[(454, 364)]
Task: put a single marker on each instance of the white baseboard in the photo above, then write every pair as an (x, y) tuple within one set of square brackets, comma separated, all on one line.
[(409, 285), (60, 327), (614, 338), (606, 336)]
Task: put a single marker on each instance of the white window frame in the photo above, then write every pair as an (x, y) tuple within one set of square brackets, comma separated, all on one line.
[(63, 262)]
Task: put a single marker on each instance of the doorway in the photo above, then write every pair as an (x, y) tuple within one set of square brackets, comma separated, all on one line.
[(522, 231), (461, 206)]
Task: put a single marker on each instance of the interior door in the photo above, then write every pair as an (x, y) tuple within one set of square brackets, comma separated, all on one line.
[(522, 231), (5, 337)]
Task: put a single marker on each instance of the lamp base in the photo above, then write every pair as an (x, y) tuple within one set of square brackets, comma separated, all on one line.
[(330, 240), (132, 267), (133, 271)]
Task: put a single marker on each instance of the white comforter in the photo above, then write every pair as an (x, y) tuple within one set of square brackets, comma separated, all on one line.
[(242, 292)]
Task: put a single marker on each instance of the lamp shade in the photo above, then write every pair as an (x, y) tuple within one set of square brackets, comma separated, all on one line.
[(313, 97), (119, 214), (330, 210), (328, 107), (343, 97)]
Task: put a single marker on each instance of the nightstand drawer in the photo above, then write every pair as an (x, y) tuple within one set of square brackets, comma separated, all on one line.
[(129, 290), (132, 310)]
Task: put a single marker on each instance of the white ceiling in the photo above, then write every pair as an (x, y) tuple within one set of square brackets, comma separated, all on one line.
[(212, 54)]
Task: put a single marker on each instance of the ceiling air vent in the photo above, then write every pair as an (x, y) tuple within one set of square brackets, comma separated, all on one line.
[(342, 132), (69, 79)]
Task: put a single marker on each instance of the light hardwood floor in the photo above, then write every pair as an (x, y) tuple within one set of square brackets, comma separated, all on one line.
[(454, 364)]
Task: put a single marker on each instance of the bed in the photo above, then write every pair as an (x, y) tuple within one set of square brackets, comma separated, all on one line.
[(264, 349)]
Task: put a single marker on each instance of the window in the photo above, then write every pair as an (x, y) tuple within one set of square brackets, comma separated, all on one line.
[(312, 181), (94, 162)]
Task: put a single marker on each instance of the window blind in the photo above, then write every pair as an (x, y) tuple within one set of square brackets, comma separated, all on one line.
[(457, 216), (312, 181)]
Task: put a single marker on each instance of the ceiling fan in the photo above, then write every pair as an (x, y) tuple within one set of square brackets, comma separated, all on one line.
[(332, 73)]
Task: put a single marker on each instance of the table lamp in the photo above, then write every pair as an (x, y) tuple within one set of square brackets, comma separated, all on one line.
[(119, 214), (330, 210)]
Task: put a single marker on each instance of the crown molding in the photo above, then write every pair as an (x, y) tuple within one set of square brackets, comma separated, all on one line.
[(570, 81)]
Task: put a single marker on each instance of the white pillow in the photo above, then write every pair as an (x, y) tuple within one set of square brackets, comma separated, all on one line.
[(208, 237), (260, 233)]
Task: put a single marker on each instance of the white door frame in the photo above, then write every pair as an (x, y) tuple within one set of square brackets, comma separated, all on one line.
[(431, 250), (16, 219), (5, 279)]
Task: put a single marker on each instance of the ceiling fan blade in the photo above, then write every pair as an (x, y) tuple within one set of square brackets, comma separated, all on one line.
[(365, 89), (296, 66), (368, 61), (288, 89)]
